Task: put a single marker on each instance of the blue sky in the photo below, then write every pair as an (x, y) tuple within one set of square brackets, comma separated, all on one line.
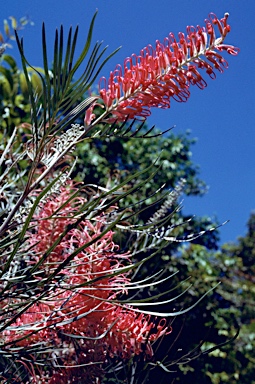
[(221, 117)]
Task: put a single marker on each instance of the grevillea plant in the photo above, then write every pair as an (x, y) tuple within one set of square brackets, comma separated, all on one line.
[(70, 310)]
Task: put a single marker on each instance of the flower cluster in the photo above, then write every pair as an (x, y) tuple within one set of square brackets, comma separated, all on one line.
[(155, 76), (80, 310)]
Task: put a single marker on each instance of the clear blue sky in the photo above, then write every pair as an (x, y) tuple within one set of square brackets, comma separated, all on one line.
[(221, 117)]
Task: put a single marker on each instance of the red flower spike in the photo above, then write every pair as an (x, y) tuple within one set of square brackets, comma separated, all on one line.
[(157, 75)]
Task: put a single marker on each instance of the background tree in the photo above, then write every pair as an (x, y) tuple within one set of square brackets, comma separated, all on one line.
[(229, 307)]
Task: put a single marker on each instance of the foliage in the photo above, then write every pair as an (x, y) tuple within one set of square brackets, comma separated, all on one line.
[(229, 308), (120, 156), (8, 35), (14, 96), (238, 294)]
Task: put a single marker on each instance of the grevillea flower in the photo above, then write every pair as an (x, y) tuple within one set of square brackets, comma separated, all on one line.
[(79, 313), (158, 74)]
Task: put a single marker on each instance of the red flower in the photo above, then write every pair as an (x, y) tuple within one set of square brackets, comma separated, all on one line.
[(82, 301), (155, 76)]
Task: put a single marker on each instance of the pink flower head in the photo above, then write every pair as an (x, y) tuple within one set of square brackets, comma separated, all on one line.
[(82, 302), (155, 76)]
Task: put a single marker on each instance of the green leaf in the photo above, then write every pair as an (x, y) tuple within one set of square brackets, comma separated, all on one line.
[(13, 22), (7, 28)]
